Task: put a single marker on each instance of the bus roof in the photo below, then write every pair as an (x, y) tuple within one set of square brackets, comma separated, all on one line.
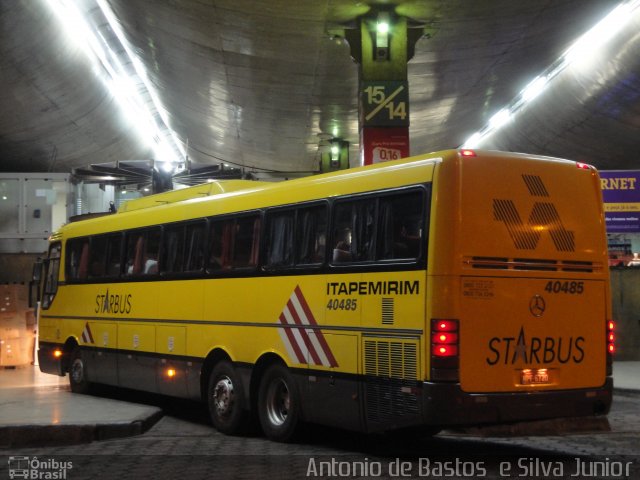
[(227, 196)]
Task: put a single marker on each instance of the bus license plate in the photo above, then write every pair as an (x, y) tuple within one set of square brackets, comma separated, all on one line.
[(534, 377)]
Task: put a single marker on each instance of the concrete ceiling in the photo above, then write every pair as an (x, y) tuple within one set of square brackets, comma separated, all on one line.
[(257, 84)]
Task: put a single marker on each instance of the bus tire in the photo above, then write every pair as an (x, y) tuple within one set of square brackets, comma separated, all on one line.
[(78, 373), (279, 404), (226, 399)]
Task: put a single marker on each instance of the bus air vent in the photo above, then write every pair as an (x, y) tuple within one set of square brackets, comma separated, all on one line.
[(531, 264), (391, 359), (388, 311), (391, 369)]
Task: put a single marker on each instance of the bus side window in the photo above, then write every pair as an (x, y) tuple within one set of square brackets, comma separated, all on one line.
[(311, 234), (400, 226), (194, 258), (77, 259), (135, 245), (173, 249), (51, 277), (246, 242), (354, 231), (114, 244), (98, 257), (234, 243), (151, 251), (279, 243), (143, 247), (215, 245)]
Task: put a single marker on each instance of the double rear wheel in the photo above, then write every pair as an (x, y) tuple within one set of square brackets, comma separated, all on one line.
[(279, 404)]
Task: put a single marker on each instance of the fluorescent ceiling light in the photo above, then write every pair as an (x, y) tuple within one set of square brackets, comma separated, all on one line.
[(130, 87), (583, 50), (500, 118), (535, 88)]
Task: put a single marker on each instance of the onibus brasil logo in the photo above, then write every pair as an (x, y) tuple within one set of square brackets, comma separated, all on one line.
[(34, 468)]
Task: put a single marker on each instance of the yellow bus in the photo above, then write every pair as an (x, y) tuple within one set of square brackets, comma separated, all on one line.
[(459, 287)]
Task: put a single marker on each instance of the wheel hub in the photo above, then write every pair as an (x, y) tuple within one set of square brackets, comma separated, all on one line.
[(279, 403), (77, 371), (223, 396)]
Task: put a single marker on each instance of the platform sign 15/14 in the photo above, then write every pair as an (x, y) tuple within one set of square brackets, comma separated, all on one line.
[(385, 104)]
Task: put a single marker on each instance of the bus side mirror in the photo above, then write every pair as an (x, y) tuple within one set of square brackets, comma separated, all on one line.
[(36, 277)]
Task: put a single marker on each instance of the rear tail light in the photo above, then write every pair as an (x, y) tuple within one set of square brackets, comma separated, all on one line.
[(611, 345), (444, 350)]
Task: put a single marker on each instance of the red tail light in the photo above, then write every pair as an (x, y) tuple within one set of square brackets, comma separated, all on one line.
[(444, 325), (611, 346), (468, 153), (442, 337), (444, 350), (583, 166)]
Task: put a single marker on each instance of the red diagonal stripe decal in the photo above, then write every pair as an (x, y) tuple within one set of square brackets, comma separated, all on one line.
[(312, 321), (292, 340), (303, 333)]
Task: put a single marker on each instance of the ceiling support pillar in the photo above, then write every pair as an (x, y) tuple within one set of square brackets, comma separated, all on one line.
[(382, 44)]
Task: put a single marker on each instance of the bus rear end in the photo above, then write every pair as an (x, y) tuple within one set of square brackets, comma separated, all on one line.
[(520, 315)]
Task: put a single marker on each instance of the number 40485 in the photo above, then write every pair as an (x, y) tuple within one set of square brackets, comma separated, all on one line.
[(342, 304), (572, 288)]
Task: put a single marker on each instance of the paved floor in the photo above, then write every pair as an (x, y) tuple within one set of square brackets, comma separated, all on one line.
[(37, 408)]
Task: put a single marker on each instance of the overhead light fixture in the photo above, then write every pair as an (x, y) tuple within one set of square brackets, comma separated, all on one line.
[(167, 167), (500, 118), (472, 141), (112, 57), (580, 54), (535, 88), (583, 50), (381, 50), (382, 25)]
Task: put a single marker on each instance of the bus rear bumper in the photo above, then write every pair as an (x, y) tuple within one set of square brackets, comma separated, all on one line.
[(47, 359), (448, 404)]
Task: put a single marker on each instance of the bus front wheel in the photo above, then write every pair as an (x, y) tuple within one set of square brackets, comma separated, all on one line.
[(78, 373), (278, 404), (226, 399)]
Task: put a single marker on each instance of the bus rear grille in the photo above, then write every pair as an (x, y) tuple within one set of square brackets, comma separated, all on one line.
[(535, 264), (391, 369)]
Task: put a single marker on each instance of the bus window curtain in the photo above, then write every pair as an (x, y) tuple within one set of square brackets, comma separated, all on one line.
[(172, 264), (308, 234), (281, 243), (139, 253), (227, 243), (255, 244), (362, 227), (194, 255), (387, 232), (83, 267)]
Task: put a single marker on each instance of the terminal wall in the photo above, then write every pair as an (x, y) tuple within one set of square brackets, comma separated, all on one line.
[(17, 267), (625, 292)]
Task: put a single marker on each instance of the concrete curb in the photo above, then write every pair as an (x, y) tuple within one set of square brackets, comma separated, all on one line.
[(12, 436)]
